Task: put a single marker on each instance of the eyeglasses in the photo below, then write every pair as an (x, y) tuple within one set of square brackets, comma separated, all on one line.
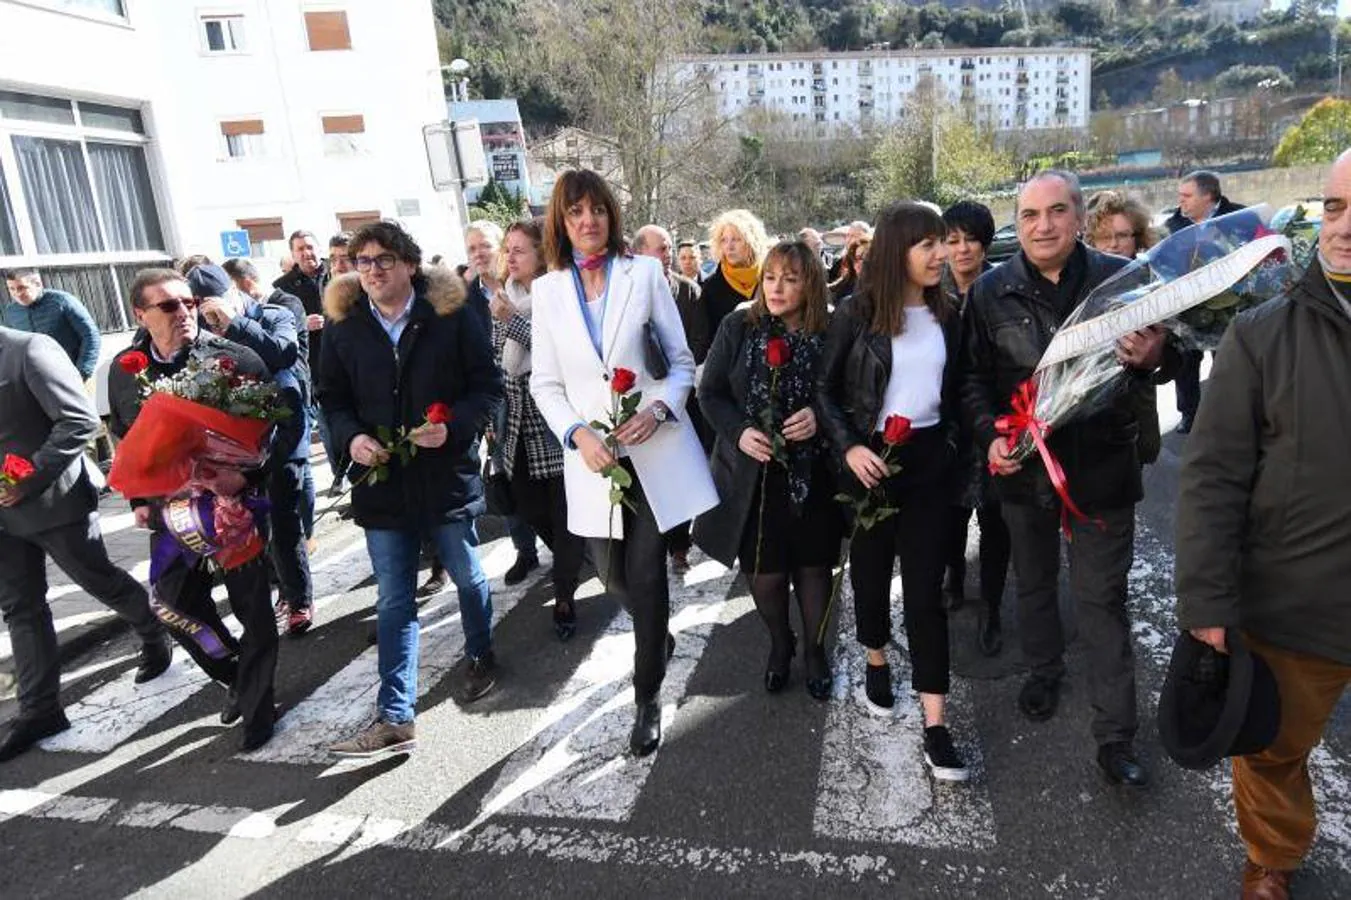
[(384, 262), (171, 307)]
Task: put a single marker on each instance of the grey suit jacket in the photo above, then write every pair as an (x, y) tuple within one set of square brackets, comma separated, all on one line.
[(47, 418)]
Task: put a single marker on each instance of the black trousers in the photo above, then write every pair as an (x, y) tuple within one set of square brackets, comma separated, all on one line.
[(1188, 383), (543, 504), (634, 571), (1100, 561), (182, 600), (79, 551), (290, 556), (917, 534), (994, 549), (678, 538)]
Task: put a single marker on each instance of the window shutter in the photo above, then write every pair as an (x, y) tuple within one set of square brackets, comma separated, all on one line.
[(241, 126), (351, 221), (262, 229), (328, 30), (344, 124)]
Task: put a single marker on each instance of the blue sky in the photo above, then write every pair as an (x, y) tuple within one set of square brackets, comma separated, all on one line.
[(1343, 6)]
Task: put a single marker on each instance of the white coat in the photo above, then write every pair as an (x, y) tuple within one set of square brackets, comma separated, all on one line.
[(569, 382)]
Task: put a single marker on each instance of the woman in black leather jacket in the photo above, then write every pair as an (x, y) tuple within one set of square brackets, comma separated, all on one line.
[(891, 350), (760, 380)]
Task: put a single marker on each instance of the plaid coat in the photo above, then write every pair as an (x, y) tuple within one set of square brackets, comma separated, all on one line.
[(520, 419)]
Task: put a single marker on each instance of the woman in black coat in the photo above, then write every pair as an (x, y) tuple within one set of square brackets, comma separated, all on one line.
[(892, 351), (757, 392)]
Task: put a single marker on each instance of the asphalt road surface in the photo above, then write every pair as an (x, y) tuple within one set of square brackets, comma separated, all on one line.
[(529, 791)]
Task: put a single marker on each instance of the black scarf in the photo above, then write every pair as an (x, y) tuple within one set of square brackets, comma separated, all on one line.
[(796, 389)]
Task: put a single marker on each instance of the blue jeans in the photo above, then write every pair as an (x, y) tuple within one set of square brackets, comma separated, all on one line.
[(394, 556)]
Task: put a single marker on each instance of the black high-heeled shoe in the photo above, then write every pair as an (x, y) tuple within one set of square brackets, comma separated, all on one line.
[(776, 670), (565, 619), (820, 680)]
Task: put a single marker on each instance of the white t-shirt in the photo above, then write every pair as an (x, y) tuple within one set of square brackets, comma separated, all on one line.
[(918, 356)]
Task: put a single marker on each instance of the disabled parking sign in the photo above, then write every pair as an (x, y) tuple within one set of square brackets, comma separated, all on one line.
[(234, 244)]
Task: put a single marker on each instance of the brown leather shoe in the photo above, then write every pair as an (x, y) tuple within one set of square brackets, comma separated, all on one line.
[(1265, 884)]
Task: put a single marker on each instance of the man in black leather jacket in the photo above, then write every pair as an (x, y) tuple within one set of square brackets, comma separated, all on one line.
[(1010, 318)]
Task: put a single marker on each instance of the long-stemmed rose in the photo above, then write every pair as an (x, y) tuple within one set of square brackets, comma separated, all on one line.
[(623, 406), (869, 509), (397, 443), (778, 353)]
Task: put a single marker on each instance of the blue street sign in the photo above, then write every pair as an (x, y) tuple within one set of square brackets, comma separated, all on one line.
[(234, 243)]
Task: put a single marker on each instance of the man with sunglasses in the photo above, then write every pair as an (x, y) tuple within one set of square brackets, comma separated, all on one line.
[(401, 339), (170, 337)]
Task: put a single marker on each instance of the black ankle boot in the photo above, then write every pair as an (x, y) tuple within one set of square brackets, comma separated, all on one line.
[(646, 734), (776, 670), (820, 682)]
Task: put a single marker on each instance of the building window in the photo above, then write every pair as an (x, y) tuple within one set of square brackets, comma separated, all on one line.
[(30, 108), (243, 138), (267, 237), (351, 221), (103, 7), (111, 118), (9, 230), (60, 200), (343, 135), (125, 196), (223, 34), (327, 30)]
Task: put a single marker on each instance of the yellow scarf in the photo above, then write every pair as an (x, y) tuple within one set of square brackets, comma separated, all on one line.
[(743, 279), (1337, 277)]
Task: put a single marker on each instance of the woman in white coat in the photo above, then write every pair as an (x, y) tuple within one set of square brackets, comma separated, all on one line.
[(591, 318)]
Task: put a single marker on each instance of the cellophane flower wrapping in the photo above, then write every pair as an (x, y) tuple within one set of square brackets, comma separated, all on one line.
[(1193, 283)]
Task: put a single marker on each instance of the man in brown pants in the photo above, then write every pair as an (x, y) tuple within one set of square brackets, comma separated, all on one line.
[(1264, 529)]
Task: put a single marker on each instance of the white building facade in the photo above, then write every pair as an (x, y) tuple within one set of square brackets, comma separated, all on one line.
[(1007, 89), (133, 131)]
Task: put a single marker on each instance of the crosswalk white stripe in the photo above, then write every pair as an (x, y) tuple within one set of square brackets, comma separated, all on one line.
[(577, 764), (557, 843), (346, 702), (874, 785), (117, 710)]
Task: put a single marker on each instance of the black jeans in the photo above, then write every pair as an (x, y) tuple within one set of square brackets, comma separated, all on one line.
[(1100, 560), (994, 550), (635, 575), (182, 600), (543, 504), (290, 556), (917, 533), (79, 551), (1188, 383)]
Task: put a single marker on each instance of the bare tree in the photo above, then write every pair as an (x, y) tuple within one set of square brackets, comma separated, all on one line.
[(620, 60)]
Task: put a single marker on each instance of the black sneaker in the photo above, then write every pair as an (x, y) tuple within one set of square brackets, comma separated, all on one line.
[(522, 567), (941, 757), (480, 677), (877, 690), (1039, 697)]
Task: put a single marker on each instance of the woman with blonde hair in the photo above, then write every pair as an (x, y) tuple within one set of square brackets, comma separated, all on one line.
[(739, 243), (1118, 223)]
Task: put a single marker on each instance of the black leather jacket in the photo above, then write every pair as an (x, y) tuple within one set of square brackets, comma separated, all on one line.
[(1007, 324), (855, 369)]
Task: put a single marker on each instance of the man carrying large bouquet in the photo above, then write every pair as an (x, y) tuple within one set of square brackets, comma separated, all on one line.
[(49, 508), (169, 343), (408, 383)]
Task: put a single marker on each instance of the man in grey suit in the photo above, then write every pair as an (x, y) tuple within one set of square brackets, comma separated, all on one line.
[(47, 418)]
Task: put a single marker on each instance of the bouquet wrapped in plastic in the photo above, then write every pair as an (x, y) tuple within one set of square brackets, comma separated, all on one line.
[(195, 434), (1193, 283)]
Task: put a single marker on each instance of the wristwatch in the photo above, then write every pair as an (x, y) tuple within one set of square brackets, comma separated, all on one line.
[(659, 412)]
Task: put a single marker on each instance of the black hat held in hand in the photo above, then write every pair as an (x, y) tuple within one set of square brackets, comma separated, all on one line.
[(1215, 705)]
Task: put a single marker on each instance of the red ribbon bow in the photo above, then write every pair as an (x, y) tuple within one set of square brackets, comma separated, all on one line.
[(1024, 419)]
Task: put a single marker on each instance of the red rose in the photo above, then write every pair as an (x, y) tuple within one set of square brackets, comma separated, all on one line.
[(438, 413), (225, 364), (778, 353), (133, 363), (622, 381), (16, 468), (896, 430)]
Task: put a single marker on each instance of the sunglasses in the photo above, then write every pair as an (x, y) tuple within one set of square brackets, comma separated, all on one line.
[(171, 307)]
